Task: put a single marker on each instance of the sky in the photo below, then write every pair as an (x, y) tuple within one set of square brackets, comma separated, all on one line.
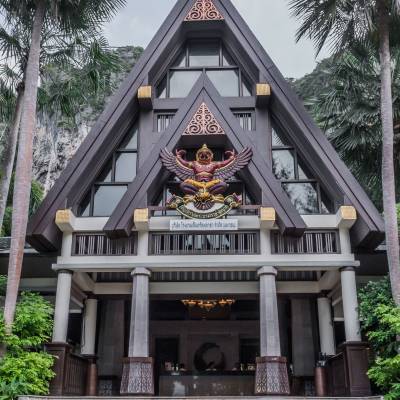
[(270, 20)]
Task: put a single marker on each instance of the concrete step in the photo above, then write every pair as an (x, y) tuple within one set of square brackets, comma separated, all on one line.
[(204, 398)]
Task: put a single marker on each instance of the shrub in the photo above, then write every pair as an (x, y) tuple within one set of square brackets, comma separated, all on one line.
[(3, 285), (380, 320), (26, 368)]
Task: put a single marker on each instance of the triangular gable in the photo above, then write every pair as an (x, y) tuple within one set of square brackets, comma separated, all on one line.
[(203, 123), (369, 228), (76, 178), (121, 222), (204, 10)]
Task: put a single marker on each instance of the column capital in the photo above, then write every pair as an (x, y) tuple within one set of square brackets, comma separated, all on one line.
[(323, 295), (267, 271), (347, 269), (65, 271), (141, 271)]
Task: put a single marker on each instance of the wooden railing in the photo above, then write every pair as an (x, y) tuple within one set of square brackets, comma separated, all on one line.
[(237, 243), (312, 242), (75, 375), (98, 244)]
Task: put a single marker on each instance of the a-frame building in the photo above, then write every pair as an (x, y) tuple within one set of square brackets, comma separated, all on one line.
[(207, 184)]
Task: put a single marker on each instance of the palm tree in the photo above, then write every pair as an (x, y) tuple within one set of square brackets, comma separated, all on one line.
[(61, 15), (347, 109), (84, 59), (339, 23)]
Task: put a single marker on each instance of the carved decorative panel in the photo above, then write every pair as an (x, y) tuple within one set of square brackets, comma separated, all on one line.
[(137, 376), (272, 376), (204, 123), (204, 10)]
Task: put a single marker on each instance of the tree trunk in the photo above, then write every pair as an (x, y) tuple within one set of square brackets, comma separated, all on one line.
[(388, 176), (23, 170), (7, 163)]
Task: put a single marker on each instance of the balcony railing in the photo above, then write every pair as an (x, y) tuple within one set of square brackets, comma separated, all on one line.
[(98, 244), (236, 243), (312, 242)]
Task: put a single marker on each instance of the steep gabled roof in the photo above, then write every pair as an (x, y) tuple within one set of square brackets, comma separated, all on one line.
[(285, 107), (121, 222)]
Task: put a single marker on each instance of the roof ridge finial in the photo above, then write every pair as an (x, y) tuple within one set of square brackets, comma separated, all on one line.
[(204, 10)]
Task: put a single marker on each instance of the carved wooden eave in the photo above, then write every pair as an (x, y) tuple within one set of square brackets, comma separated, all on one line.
[(204, 123), (204, 10)]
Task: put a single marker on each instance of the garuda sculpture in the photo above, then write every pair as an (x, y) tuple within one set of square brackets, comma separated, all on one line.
[(204, 180)]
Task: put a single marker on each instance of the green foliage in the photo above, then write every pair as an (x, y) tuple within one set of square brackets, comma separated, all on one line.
[(25, 373), (36, 198), (32, 325), (342, 94), (380, 320), (398, 215), (3, 285), (26, 369), (386, 374)]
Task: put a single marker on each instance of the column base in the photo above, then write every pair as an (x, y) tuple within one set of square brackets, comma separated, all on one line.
[(357, 365), (272, 376), (92, 376), (137, 376), (60, 351)]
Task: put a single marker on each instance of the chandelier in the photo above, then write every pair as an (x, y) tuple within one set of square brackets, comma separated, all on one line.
[(207, 305)]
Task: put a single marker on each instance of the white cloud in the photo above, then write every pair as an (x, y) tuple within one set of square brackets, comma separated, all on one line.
[(270, 20)]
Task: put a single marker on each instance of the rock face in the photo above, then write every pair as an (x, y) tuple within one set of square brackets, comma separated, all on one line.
[(55, 145)]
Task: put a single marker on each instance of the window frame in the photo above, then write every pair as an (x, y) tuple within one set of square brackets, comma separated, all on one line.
[(203, 70), (297, 179), (96, 184)]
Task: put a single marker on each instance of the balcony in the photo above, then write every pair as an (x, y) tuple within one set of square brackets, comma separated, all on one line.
[(234, 243)]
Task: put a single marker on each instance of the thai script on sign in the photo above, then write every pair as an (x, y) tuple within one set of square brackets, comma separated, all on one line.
[(204, 225)]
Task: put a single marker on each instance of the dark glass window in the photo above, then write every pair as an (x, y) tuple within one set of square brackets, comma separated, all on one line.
[(180, 82), (226, 81), (204, 54), (303, 189), (112, 182), (210, 57), (106, 198)]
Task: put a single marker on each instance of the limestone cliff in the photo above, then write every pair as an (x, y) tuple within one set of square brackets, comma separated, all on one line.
[(55, 145)]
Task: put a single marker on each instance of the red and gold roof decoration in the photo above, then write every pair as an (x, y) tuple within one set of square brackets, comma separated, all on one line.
[(204, 10), (204, 123)]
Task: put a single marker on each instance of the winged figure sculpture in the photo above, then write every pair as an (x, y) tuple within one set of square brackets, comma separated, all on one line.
[(205, 177)]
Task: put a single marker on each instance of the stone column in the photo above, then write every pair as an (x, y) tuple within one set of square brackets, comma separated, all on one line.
[(137, 375), (350, 305), (355, 352), (59, 347), (61, 312), (326, 332), (88, 347), (271, 374)]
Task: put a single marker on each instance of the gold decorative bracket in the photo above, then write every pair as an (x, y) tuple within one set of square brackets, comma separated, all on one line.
[(346, 217), (267, 217), (263, 95), (145, 97), (65, 220), (141, 219)]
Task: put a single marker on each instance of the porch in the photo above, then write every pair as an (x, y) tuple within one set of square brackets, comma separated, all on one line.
[(291, 326)]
